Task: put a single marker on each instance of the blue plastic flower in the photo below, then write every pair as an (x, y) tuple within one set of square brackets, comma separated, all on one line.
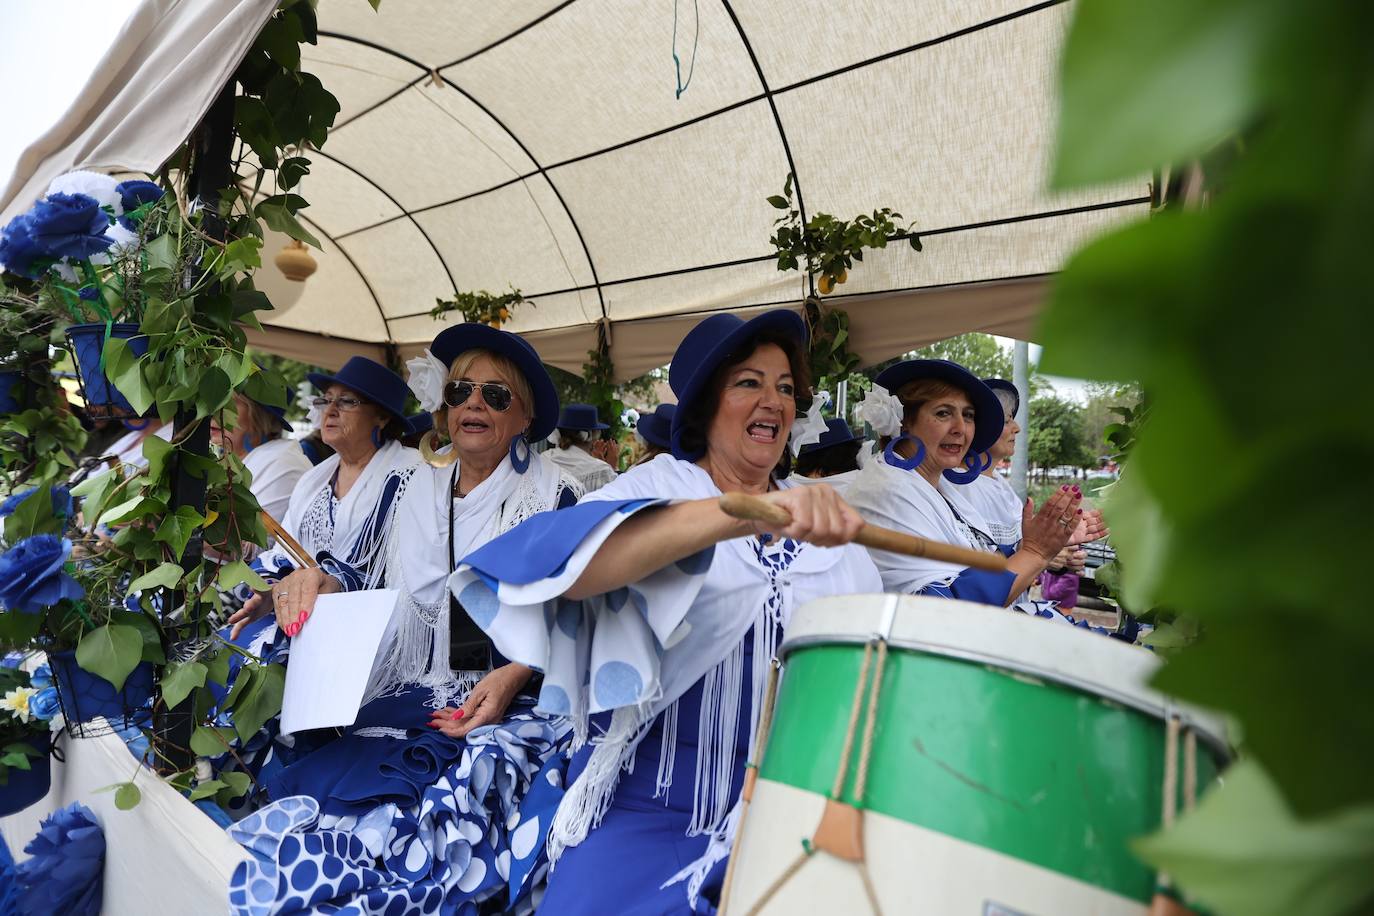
[(44, 704), (32, 577), (41, 678), (61, 501), (69, 226), (18, 250), (134, 194), (66, 869)]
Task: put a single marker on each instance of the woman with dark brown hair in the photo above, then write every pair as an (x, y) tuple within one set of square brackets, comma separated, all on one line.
[(655, 618)]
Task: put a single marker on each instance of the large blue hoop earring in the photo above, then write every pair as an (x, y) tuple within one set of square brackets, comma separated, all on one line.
[(247, 443), (376, 437), (897, 461), (976, 464), (521, 463), (136, 427)]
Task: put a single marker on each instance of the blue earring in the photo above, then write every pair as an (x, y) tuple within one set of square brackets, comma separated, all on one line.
[(247, 443), (521, 463), (135, 426), (897, 461), (976, 465), (376, 437)]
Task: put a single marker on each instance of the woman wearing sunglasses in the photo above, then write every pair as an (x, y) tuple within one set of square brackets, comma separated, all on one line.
[(419, 765)]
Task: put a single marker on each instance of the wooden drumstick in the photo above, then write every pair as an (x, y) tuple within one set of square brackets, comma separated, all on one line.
[(751, 508), (298, 553)]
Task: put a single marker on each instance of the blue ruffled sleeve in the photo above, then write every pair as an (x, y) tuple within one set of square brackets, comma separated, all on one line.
[(597, 654)]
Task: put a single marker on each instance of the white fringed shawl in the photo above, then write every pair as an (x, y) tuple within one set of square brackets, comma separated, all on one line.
[(350, 532), (993, 500), (418, 564), (691, 626)]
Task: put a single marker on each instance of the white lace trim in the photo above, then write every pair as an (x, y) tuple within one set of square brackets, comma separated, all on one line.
[(380, 731)]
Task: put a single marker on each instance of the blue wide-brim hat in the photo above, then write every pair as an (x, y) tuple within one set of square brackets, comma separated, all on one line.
[(581, 417), (278, 413), (1001, 384), (657, 427), (987, 410), (837, 432), (371, 379), (420, 423), (460, 338), (705, 347)]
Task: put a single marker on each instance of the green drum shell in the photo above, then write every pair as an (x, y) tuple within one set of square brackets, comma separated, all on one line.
[(1045, 773)]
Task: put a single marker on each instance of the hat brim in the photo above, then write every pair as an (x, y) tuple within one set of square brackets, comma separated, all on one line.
[(655, 431), (788, 322), (322, 381), (822, 446), (1001, 384), (987, 409), (459, 338), (584, 429)]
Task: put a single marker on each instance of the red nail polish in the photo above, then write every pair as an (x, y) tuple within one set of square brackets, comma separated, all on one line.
[(1080, 511), (432, 724), (457, 714)]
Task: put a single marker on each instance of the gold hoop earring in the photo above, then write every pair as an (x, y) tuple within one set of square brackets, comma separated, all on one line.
[(432, 458)]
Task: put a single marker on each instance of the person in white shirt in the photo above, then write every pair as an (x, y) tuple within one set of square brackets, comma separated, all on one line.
[(129, 448), (275, 461), (834, 458), (579, 427)]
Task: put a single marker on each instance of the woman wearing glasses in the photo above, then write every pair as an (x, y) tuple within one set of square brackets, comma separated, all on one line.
[(447, 743), (342, 506)]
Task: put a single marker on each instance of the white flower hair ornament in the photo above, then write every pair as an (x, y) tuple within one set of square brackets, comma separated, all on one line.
[(809, 428), (881, 410), (426, 379)]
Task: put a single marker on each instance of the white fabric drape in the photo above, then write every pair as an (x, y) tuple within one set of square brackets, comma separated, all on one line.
[(156, 77)]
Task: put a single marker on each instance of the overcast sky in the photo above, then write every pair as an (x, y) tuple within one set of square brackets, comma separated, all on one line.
[(48, 51), (1074, 389)]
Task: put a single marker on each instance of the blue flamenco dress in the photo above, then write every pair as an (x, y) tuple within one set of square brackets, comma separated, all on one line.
[(666, 674), (393, 817)]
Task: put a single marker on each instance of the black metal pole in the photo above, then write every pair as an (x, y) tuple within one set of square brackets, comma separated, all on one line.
[(212, 148)]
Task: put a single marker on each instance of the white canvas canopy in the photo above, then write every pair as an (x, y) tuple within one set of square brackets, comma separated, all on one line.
[(542, 145)]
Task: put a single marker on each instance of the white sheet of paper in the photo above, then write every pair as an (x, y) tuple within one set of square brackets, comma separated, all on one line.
[(333, 656)]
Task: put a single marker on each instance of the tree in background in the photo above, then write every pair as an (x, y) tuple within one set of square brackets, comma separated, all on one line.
[(1103, 410), (977, 352), (1056, 434)]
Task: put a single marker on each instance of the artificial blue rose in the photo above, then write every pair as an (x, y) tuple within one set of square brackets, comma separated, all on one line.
[(61, 501), (88, 293), (65, 871), (32, 577), (69, 226), (134, 194), (41, 678), (44, 704), (18, 250)]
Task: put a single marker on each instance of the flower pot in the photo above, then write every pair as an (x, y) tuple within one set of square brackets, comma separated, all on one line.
[(103, 399), (28, 786), (11, 382), (85, 696)]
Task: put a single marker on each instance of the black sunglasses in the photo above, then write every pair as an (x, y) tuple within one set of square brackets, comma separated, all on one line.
[(497, 396)]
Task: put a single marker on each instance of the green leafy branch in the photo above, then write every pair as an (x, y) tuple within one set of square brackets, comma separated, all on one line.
[(826, 246), (483, 307)]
